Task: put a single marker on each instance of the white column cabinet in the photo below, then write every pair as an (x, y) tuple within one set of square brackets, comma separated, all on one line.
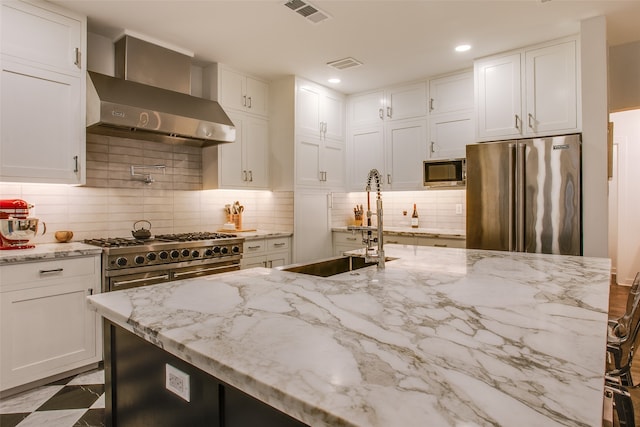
[(46, 327), (43, 76), (530, 92), (319, 130)]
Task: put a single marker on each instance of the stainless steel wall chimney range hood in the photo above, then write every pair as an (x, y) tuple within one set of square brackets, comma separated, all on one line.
[(149, 99)]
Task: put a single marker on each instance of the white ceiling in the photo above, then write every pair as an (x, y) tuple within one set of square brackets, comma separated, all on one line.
[(396, 40)]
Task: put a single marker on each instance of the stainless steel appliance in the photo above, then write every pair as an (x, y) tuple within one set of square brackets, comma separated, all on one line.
[(128, 263), (17, 229), (449, 173), (525, 195)]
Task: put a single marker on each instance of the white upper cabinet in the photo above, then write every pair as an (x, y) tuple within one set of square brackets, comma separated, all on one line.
[(319, 111), (530, 92), (451, 115), (451, 93), (396, 103), (405, 152), (241, 92), (42, 81)]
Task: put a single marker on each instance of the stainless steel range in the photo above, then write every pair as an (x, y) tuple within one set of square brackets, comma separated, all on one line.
[(128, 263)]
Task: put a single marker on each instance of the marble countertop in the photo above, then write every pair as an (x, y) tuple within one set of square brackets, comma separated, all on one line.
[(441, 337), (46, 251), (418, 232)]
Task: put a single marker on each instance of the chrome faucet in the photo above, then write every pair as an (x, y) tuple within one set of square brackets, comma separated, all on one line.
[(371, 254)]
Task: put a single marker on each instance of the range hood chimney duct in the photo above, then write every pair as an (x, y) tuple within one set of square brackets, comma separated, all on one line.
[(149, 99)]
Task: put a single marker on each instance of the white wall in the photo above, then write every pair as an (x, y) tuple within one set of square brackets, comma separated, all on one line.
[(626, 131), (593, 35)]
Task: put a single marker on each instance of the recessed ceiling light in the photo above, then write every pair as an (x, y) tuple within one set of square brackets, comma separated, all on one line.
[(334, 80), (463, 48)]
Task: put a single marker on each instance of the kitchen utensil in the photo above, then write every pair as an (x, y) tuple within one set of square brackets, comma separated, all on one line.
[(16, 233), (141, 233), (63, 236)]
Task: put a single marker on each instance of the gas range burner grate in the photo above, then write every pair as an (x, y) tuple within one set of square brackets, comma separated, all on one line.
[(114, 242), (187, 237)]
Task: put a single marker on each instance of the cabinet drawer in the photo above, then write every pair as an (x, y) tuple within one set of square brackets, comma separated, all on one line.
[(348, 238), (443, 243), (255, 247), (400, 240), (35, 272), (278, 244)]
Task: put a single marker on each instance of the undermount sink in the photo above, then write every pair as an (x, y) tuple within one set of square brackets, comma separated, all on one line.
[(331, 266)]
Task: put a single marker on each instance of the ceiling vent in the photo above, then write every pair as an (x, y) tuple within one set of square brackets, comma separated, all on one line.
[(343, 64), (307, 11)]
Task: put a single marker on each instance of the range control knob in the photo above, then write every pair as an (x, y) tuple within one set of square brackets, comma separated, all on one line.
[(122, 261), (175, 254), (235, 249), (164, 255), (195, 254), (224, 250), (139, 259), (185, 252), (151, 256), (208, 252), (216, 250)]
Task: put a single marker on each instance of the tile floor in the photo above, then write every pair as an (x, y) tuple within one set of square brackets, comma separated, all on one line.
[(75, 401)]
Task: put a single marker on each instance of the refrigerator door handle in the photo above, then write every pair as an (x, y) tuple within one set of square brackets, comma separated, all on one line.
[(510, 191), (520, 181)]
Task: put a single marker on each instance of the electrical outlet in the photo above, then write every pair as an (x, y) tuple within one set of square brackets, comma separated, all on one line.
[(178, 382), (459, 209)]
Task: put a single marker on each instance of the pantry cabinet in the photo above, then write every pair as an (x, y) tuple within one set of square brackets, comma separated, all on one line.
[(451, 113), (46, 327), (243, 164), (267, 252), (43, 77), (527, 93)]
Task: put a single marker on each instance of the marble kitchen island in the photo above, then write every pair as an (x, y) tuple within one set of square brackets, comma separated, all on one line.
[(441, 337)]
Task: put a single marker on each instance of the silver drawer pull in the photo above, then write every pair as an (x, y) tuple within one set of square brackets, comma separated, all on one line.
[(253, 247), (392, 241), (440, 245), (352, 238), (279, 244), (55, 270)]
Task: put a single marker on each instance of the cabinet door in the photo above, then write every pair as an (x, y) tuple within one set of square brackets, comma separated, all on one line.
[(405, 151), (231, 89), (257, 93), (406, 102), (333, 165), (312, 226), (46, 330), (450, 134), (42, 130), (367, 152), (551, 88), (498, 97), (451, 93), (308, 109), (43, 38), (230, 158), (332, 115), (308, 154), (256, 152), (366, 110)]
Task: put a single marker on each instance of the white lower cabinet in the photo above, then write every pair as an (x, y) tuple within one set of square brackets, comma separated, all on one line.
[(343, 242), (46, 327), (267, 252), (441, 242)]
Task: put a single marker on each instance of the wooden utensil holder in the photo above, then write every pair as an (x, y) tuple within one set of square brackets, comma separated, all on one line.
[(237, 220)]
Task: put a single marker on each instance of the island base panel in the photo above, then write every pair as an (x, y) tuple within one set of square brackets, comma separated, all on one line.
[(136, 393)]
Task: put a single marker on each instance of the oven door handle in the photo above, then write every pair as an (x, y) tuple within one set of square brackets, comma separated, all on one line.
[(144, 279), (176, 274)]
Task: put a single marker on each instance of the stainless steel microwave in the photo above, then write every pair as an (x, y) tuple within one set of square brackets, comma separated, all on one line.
[(448, 173)]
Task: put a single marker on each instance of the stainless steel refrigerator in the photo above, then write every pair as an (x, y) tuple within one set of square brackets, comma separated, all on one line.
[(525, 195)]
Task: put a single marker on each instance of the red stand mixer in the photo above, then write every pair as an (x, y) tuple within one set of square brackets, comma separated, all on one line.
[(16, 228)]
